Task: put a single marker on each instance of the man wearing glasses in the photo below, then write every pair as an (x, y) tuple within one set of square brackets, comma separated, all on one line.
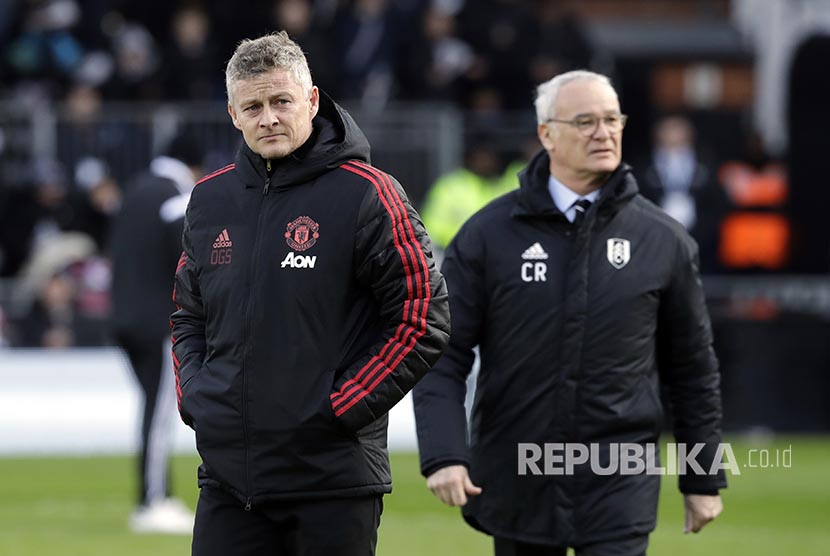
[(584, 299)]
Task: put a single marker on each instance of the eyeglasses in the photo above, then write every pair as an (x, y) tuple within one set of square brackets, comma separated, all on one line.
[(588, 125)]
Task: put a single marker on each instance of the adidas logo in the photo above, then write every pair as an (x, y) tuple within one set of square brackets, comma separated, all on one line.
[(224, 240), (535, 253)]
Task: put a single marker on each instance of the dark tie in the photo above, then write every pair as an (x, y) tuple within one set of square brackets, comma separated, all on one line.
[(581, 206)]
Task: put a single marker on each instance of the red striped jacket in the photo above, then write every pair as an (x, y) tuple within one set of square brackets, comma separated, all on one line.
[(308, 306)]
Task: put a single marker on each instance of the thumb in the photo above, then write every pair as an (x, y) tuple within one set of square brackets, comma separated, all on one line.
[(687, 528), (470, 488)]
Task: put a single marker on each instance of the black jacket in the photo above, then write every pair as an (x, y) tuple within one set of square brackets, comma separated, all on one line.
[(572, 348), (146, 243), (309, 305)]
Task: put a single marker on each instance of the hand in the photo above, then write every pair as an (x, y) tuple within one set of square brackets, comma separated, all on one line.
[(700, 510), (452, 485)]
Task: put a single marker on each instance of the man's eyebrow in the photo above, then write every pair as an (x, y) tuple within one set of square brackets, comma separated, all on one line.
[(592, 114), (279, 94)]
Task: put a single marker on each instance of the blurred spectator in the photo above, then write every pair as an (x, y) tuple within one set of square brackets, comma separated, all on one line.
[(46, 51), (485, 108), (36, 213), (191, 65), (96, 200), (302, 20), (437, 61), (122, 145), (685, 187), (137, 75), (503, 32), (563, 44), (53, 282), (755, 235), (519, 160), (368, 34), (146, 245), (456, 196)]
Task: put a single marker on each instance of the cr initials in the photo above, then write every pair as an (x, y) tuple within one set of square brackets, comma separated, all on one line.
[(538, 272)]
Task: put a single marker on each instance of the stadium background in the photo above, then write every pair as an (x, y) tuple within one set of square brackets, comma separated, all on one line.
[(91, 90)]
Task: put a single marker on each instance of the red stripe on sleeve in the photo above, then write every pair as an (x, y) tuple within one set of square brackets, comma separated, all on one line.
[(220, 171), (407, 334), (398, 339)]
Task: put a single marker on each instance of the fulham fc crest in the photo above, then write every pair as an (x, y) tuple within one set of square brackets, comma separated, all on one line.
[(619, 252), (302, 233)]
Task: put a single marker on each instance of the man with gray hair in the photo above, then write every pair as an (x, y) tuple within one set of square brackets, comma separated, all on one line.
[(583, 298), (308, 306)]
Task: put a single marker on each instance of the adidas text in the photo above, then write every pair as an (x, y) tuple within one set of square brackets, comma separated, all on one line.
[(298, 261)]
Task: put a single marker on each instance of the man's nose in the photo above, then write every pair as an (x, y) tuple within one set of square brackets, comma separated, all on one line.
[(602, 131), (269, 117)]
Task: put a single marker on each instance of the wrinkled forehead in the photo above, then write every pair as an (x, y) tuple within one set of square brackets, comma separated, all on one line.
[(586, 96), (271, 80), (265, 84)]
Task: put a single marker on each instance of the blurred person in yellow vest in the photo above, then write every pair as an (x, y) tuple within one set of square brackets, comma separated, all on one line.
[(457, 195)]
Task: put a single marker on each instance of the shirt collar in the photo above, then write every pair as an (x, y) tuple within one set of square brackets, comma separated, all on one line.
[(564, 197)]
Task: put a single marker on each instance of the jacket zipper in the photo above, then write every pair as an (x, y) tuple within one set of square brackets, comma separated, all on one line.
[(254, 260), (268, 179)]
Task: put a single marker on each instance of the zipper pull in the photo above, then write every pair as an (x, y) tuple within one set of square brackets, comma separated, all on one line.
[(248, 505), (268, 180)]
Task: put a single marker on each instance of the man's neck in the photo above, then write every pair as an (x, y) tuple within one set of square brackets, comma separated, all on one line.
[(581, 185)]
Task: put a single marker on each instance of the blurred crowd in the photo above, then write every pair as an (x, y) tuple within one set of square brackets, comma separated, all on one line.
[(367, 50), (484, 56), (55, 214)]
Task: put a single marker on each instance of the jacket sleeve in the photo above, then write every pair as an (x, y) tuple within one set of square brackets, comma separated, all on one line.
[(187, 322), (393, 259), (440, 416), (689, 370)]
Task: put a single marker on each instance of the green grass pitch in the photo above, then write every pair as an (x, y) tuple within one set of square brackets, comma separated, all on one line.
[(78, 506)]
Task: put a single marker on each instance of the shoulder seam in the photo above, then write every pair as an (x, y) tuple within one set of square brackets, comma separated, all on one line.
[(215, 173), (349, 164)]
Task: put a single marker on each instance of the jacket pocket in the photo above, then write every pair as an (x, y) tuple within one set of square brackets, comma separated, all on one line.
[(187, 382), (186, 378), (337, 425)]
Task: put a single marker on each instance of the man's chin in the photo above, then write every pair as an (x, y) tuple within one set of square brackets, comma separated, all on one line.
[(271, 153), (606, 166)]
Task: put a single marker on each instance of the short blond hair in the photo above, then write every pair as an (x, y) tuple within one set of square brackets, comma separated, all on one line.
[(275, 51)]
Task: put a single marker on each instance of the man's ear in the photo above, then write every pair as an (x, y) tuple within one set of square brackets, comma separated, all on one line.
[(314, 99), (232, 114), (546, 137)]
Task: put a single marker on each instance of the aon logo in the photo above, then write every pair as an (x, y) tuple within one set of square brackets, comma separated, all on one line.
[(298, 261)]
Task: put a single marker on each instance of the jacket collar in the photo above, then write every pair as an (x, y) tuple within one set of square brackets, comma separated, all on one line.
[(534, 199), (335, 138)]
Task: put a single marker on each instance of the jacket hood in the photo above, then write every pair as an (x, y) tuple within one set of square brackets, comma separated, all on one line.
[(535, 198), (335, 138)]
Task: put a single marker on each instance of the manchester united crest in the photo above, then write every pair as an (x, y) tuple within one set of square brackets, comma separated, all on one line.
[(302, 233)]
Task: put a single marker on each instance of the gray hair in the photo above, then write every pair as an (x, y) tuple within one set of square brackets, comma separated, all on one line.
[(267, 53), (548, 92)]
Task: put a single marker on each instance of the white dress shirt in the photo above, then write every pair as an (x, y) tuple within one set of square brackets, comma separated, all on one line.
[(564, 197)]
